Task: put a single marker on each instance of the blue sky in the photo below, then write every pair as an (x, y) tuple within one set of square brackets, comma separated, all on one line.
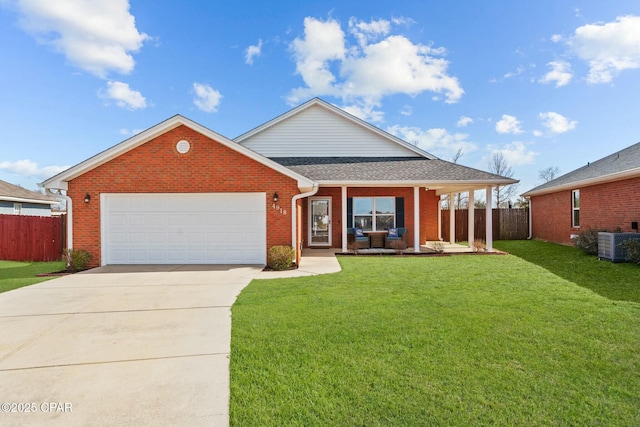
[(547, 83)]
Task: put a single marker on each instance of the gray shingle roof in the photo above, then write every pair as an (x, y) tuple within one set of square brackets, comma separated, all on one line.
[(384, 169), (8, 190), (621, 161)]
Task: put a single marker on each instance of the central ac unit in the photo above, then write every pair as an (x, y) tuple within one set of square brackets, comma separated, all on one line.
[(609, 245)]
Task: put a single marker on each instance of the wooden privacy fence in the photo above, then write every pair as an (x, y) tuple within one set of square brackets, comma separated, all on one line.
[(508, 224), (32, 238)]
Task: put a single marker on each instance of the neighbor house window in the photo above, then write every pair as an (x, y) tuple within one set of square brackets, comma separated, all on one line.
[(374, 213), (575, 208), (17, 208)]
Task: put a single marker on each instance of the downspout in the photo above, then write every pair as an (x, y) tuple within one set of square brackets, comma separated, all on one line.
[(294, 216), (530, 220), (69, 214)]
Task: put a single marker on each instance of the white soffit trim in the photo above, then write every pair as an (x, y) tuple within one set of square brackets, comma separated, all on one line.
[(33, 201), (340, 112), (631, 173), (60, 180)]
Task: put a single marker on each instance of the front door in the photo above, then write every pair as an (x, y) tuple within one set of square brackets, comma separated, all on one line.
[(320, 221)]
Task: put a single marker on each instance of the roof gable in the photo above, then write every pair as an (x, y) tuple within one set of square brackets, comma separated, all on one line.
[(619, 165), (317, 129), (60, 180)]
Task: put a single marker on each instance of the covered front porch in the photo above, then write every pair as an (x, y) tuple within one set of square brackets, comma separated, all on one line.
[(331, 215)]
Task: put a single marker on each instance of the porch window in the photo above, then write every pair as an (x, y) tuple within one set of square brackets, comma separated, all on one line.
[(575, 208), (374, 213), (17, 208)]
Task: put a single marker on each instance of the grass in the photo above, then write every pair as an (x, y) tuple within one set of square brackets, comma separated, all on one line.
[(619, 282), (454, 341), (14, 275)]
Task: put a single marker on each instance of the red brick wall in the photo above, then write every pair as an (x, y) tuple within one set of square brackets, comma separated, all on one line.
[(428, 211), (604, 206), (156, 167)]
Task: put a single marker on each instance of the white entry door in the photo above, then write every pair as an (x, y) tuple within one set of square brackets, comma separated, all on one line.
[(186, 228), (320, 221)]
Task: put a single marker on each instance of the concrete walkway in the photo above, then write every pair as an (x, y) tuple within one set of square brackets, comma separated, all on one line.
[(116, 346)]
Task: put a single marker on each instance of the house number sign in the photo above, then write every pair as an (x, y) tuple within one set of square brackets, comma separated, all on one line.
[(278, 208)]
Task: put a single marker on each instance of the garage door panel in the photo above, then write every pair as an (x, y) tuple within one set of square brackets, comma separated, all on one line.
[(217, 228)]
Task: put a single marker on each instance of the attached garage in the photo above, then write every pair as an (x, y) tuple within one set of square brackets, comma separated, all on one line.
[(184, 228)]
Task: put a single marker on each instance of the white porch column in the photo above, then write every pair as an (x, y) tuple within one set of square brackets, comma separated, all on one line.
[(416, 219), (452, 219), (440, 219), (471, 223), (489, 237), (343, 221)]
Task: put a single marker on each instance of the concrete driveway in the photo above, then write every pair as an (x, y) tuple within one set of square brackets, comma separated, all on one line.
[(120, 346)]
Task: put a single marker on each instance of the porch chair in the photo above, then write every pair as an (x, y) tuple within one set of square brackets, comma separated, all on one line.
[(356, 235), (393, 235)]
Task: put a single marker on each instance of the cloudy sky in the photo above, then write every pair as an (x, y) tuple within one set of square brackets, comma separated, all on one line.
[(547, 83)]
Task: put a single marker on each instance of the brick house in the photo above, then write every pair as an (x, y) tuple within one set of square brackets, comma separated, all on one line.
[(604, 194), (179, 193)]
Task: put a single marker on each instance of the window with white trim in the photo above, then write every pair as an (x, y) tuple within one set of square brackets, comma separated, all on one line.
[(17, 208), (374, 213), (575, 208)]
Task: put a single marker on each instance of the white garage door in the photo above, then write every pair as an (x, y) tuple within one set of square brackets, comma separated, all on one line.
[(209, 228)]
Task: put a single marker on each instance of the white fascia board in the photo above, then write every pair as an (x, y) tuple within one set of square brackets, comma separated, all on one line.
[(60, 180), (342, 113), (33, 201), (631, 173), (433, 185)]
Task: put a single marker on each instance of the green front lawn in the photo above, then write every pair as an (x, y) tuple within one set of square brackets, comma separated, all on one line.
[(453, 341), (15, 274)]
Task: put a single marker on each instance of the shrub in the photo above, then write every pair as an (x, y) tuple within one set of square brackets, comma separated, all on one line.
[(77, 259), (479, 245), (399, 245), (280, 257), (633, 250), (587, 241), (438, 247)]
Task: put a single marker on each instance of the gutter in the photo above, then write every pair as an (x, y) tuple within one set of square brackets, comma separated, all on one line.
[(530, 218), (294, 216), (69, 214)]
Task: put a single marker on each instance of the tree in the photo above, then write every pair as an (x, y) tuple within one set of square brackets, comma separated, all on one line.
[(549, 173), (503, 193), (461, 201)]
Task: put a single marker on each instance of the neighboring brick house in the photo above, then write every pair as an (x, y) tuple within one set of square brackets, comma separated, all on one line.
[(15, 200), (179, 193), (603, 195)]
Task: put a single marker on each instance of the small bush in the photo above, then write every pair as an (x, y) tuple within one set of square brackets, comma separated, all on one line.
[(479, 245), (587, 241), (77, 259), (438, 247), (633, 250), (280, 257), (398, 245)]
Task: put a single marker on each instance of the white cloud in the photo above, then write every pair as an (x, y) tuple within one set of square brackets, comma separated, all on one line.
[(508, 124), (29, 168), (437, 141), (375, 65), (407, 110), (464, 121), (366, 110), (252, 52), (130, 132), (537, 133), (515, 153), (556, 123), (560, 73), (206, 98), (556, 38), (124, 96), (608, 48), (97, 36), (518, 71)]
